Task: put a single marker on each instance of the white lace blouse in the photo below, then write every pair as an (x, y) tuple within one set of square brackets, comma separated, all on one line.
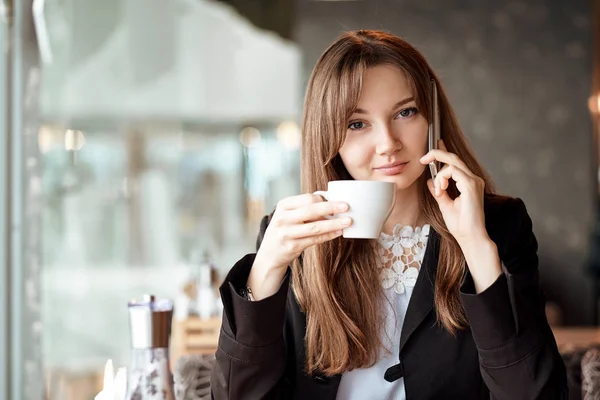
[(401, 255)]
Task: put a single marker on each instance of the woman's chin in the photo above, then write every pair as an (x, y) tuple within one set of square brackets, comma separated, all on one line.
[(401, 182)]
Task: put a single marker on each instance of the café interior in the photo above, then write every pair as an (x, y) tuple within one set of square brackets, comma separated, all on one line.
[(143, 142)]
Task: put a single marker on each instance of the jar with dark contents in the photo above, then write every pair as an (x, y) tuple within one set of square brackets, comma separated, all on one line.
[(149, 375)]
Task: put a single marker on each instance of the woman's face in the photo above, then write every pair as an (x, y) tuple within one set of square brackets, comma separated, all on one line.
[(386, 135)]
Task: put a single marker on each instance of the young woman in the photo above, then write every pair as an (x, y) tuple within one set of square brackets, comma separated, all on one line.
[(445, 305)]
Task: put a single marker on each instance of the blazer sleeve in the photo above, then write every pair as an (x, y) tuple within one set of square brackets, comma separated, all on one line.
[(518, 355), (250, 358)]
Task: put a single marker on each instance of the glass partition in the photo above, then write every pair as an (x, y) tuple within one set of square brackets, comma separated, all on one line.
[(168, 130)]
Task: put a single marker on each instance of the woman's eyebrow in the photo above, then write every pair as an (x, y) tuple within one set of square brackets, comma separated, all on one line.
[(398, 104)]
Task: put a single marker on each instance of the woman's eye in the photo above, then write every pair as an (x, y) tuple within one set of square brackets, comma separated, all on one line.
[(407, 112), (356, 125)]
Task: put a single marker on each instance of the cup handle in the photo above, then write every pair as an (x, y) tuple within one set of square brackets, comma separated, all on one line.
[(324, 195)]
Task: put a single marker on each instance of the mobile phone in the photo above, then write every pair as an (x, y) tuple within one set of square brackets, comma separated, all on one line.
[(434, 129)]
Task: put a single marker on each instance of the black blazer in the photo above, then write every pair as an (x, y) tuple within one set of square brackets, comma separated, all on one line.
[(508, 351)]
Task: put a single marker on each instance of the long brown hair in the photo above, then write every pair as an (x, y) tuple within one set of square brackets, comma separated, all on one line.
[(337, 284)]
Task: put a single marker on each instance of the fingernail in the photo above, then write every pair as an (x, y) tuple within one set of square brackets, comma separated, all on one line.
[(342, 207), (438, 191)]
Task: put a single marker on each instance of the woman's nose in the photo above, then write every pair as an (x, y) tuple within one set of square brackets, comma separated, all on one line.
[(386, 141)]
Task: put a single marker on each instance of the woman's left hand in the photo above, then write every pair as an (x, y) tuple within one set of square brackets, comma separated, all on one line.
[(464, 216)]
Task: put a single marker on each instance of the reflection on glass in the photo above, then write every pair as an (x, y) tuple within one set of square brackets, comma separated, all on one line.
[(125, 213), (157, 145)]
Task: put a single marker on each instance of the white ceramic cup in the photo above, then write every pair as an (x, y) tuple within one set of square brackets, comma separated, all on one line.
[(371, 203)]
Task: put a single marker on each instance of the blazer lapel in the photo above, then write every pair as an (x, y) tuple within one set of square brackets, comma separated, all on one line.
[(422, 299)]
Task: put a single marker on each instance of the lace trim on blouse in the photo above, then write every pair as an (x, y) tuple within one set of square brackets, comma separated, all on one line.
[(401, 256)]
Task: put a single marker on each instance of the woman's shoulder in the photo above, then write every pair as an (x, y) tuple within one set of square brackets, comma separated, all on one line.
[(507, 221), (499, 208)]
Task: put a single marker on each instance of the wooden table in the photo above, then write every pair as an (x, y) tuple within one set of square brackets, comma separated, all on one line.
[(194, 336), (569, 338)]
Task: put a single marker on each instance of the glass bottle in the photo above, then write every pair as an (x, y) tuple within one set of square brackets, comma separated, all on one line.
[(149, 376), (205, 297)]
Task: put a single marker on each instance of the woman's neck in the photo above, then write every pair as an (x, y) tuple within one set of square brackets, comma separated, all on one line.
[(406, 210)]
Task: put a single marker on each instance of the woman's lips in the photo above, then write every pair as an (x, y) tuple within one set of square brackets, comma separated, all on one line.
[(392, 169)]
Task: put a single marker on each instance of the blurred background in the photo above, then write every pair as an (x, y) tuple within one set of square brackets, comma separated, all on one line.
[(143, 138)]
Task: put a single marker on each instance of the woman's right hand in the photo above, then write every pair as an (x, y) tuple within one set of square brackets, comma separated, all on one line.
[(297, 223)]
